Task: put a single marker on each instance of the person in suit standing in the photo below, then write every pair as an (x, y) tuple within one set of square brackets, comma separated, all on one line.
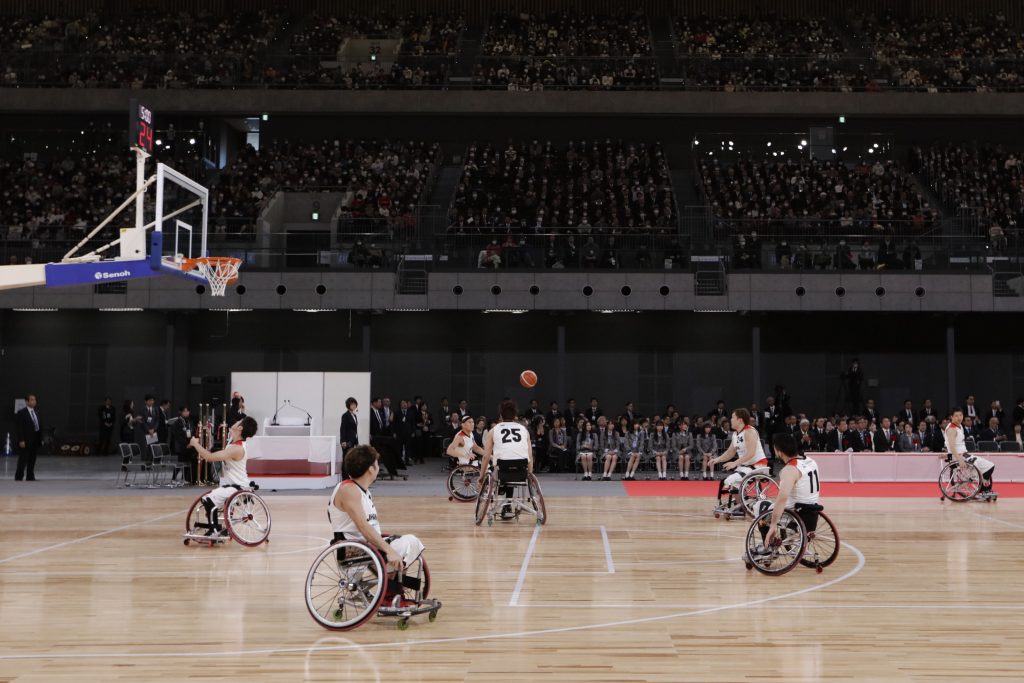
[(108, 418), (570, 416), (388, 415), (971, 408), (870, 411), (464, 410), (162, 416), (147, 434), (908, 414), (594, 411), (349, 425), (376, 418), (926, 411), (885, 437), (179, 433), (770, 417), (406, 427), (29, 433)]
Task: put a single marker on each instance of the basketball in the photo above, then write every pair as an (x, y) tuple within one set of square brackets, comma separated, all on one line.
[(528, 378)]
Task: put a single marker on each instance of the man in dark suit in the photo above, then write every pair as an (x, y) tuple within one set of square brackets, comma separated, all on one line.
[(996, 411), (630, 414), (531, 412), (870, 411), (885, 437), (571, 411), (29, 434), (927, 411), (594, 411), (405, 426), (1018, 412), (376, 418), (146, 434), (179, 433), (908, 413), (771, 418), (464, 409), (387, 414), (162, 416), (858, 436), (108, 419), (349, 425), (719, 411), (552, 413), (970, 408), (805, 439), (993, 432), (838, 440)]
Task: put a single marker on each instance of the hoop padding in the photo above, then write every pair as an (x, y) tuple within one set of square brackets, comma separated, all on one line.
[(219, 271)]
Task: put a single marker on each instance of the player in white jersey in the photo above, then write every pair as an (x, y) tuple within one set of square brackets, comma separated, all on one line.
[(233, 475), (463, 447), (799, 486), (956, 448), (353, 515), (745, 447), (507, 442)]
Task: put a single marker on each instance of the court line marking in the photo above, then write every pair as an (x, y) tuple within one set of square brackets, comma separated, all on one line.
[(83, 539), (996, 519), (522, 570), (453, 639), (932, 606), (607, 551)]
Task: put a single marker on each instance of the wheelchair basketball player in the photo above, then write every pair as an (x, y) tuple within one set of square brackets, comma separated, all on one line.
[(746, 447), (353, 515), (233, 475), (956, 451), (798, 487), (508, 444)]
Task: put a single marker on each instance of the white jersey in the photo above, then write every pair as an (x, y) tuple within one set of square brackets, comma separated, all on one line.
[(233, 471), (464, 447), (340, 520), (959, 442), (746, 439), (510, 441), (807, 486)]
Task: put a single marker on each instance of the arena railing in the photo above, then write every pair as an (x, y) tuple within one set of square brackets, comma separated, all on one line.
[(554, 70)]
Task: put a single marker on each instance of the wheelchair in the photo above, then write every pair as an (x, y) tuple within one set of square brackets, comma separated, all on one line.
[(348, 584), (462, 481), (757, 486), (806, 536), (960, 485), (508, 491), (246, 519)]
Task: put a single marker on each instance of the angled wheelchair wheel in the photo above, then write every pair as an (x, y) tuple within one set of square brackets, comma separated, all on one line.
[(462, 483), (822, 544), (345, 585), (782, 555), (247, 518), (537, 499), (756, 489), (485, 498), (196, 521), (959, 485)]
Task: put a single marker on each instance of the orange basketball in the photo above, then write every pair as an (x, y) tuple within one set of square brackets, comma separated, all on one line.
[(528, 378)]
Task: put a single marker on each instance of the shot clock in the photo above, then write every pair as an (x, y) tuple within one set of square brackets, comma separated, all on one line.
[(140, 126)]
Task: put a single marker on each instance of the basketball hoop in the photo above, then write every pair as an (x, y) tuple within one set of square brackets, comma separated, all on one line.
[(219, 271)]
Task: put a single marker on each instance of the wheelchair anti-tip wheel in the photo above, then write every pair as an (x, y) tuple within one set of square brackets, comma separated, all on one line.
[(247, 518), (462, 483), (784, 553), (485, 498), (959, 485), (822, 545), (345, 586), (755, 489)]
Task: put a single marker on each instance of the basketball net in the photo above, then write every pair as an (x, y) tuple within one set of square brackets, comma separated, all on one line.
[(219, 271)]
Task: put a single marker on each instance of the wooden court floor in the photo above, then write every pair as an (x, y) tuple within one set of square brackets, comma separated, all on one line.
[(612, 589)]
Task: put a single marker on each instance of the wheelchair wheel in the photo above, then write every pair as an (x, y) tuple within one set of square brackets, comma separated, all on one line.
[(196, 521), (755, 489), (957, 485), (537, 499), (247, 518), (345, 585), (485, 498), (822, 544), (782, 555), (462, 483)]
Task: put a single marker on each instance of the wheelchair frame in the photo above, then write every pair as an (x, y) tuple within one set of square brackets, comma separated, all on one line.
[(954, 487), (243, 514), (352, 569), (488, 506)]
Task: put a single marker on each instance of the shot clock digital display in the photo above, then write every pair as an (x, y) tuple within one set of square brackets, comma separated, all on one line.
[(140, 126)]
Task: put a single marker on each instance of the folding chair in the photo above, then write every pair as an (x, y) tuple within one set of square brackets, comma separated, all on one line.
[(1010, 447), (131, 463), (988, 446)]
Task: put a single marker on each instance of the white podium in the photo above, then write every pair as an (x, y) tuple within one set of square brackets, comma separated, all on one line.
[(290, 455)]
